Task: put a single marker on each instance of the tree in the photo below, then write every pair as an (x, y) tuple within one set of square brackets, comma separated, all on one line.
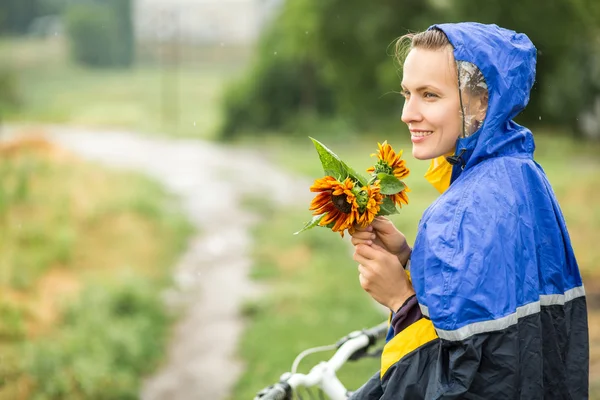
[(335, 58), (101, 32), (16, 15), (340, 49)]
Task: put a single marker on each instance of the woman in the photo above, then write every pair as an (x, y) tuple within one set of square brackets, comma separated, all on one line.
[(494, 307)]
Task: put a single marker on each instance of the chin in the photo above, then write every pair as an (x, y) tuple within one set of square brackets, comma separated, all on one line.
[(419, 154)]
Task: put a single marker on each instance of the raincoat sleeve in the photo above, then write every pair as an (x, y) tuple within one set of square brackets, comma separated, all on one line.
[(432, 358)]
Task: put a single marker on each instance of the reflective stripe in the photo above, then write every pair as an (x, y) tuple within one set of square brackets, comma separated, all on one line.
[(560, 299), (511, 319), (424, 310), (410, 339), (490, 326)]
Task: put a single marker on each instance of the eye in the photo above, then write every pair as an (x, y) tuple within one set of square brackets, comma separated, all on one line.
[(429, 95), (405, 93)]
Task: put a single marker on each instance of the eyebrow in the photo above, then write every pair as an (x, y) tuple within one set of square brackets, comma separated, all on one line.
[(422, 88)]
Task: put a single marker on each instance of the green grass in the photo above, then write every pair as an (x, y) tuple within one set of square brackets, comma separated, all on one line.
[(84, 255), (314, 300), (104, 353), (151, 99)]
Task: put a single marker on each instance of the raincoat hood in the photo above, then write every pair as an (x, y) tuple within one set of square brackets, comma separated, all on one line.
[(507, 61)]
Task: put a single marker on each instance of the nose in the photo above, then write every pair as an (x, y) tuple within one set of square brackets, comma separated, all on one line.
[(411, 111)]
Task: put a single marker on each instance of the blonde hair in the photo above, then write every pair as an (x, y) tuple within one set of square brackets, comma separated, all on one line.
[(432, 39)]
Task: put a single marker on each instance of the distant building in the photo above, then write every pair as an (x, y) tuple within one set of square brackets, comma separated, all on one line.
[(236, 22)]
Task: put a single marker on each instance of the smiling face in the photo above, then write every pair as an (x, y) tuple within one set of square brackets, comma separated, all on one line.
[(432, 105)]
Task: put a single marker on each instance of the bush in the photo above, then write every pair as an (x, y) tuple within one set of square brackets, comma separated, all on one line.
[(323, 59), (101, 34), (346, 44), (92, 32), (275, 97), (109, 339), (9, 91), (122, 14), (15, 15)]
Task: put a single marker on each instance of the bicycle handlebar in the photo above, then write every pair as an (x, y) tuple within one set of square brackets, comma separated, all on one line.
[(278, 391), (350, 347)]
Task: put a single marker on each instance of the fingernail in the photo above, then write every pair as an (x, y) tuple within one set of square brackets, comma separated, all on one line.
[(373, 236), (370, 228), (369, 242)]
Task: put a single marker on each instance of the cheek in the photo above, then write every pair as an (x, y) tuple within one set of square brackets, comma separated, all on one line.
[(452, 122), (442, 117)]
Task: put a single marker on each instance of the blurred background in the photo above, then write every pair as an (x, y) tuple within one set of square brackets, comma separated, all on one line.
[(88, 251)]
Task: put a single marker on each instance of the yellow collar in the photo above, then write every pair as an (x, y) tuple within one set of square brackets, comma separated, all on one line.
[(439, 173)]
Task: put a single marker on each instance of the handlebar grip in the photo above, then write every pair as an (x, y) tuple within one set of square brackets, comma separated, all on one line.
[(377, 332), (278, 391)]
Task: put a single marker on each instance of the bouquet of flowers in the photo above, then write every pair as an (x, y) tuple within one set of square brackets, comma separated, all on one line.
[(345, 199)]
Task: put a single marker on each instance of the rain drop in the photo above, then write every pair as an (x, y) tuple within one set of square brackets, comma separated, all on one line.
[(306, 33), (194, 123), (540, 117), (275, 52)]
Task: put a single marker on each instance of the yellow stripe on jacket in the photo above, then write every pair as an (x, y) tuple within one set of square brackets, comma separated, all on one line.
[(410, 339)]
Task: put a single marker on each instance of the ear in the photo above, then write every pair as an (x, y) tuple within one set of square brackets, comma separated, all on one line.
[(481, 109)]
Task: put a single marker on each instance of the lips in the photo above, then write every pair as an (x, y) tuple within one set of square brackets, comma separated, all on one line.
[(420, 133), (417, 136)]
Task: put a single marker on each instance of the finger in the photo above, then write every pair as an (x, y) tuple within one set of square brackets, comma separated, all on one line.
[(363, 229), (356, 242), (380, 223), (369, 252), (363, 235), (378, 248), (361, 259), (364, 282), (383, 225), (364, 271)]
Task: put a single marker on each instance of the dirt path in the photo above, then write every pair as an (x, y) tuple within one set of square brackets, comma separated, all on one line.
[(211, 277)]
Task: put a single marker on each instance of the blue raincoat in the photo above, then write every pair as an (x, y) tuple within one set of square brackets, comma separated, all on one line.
[(503, 304)]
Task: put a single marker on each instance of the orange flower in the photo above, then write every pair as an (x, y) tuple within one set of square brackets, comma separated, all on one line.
[(389, 162), (401, 197), (374, 198), (337, 200)]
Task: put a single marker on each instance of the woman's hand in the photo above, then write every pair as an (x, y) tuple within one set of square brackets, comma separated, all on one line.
[(382, 276), (383, 233)]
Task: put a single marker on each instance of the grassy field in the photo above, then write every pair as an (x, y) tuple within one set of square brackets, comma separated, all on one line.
[(170, 101), (315, 296), (84, 255), (314, 300)]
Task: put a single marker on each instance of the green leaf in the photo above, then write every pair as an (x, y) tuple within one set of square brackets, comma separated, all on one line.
[(390, 184), (312, 223), (333, 166), (387, 207)]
